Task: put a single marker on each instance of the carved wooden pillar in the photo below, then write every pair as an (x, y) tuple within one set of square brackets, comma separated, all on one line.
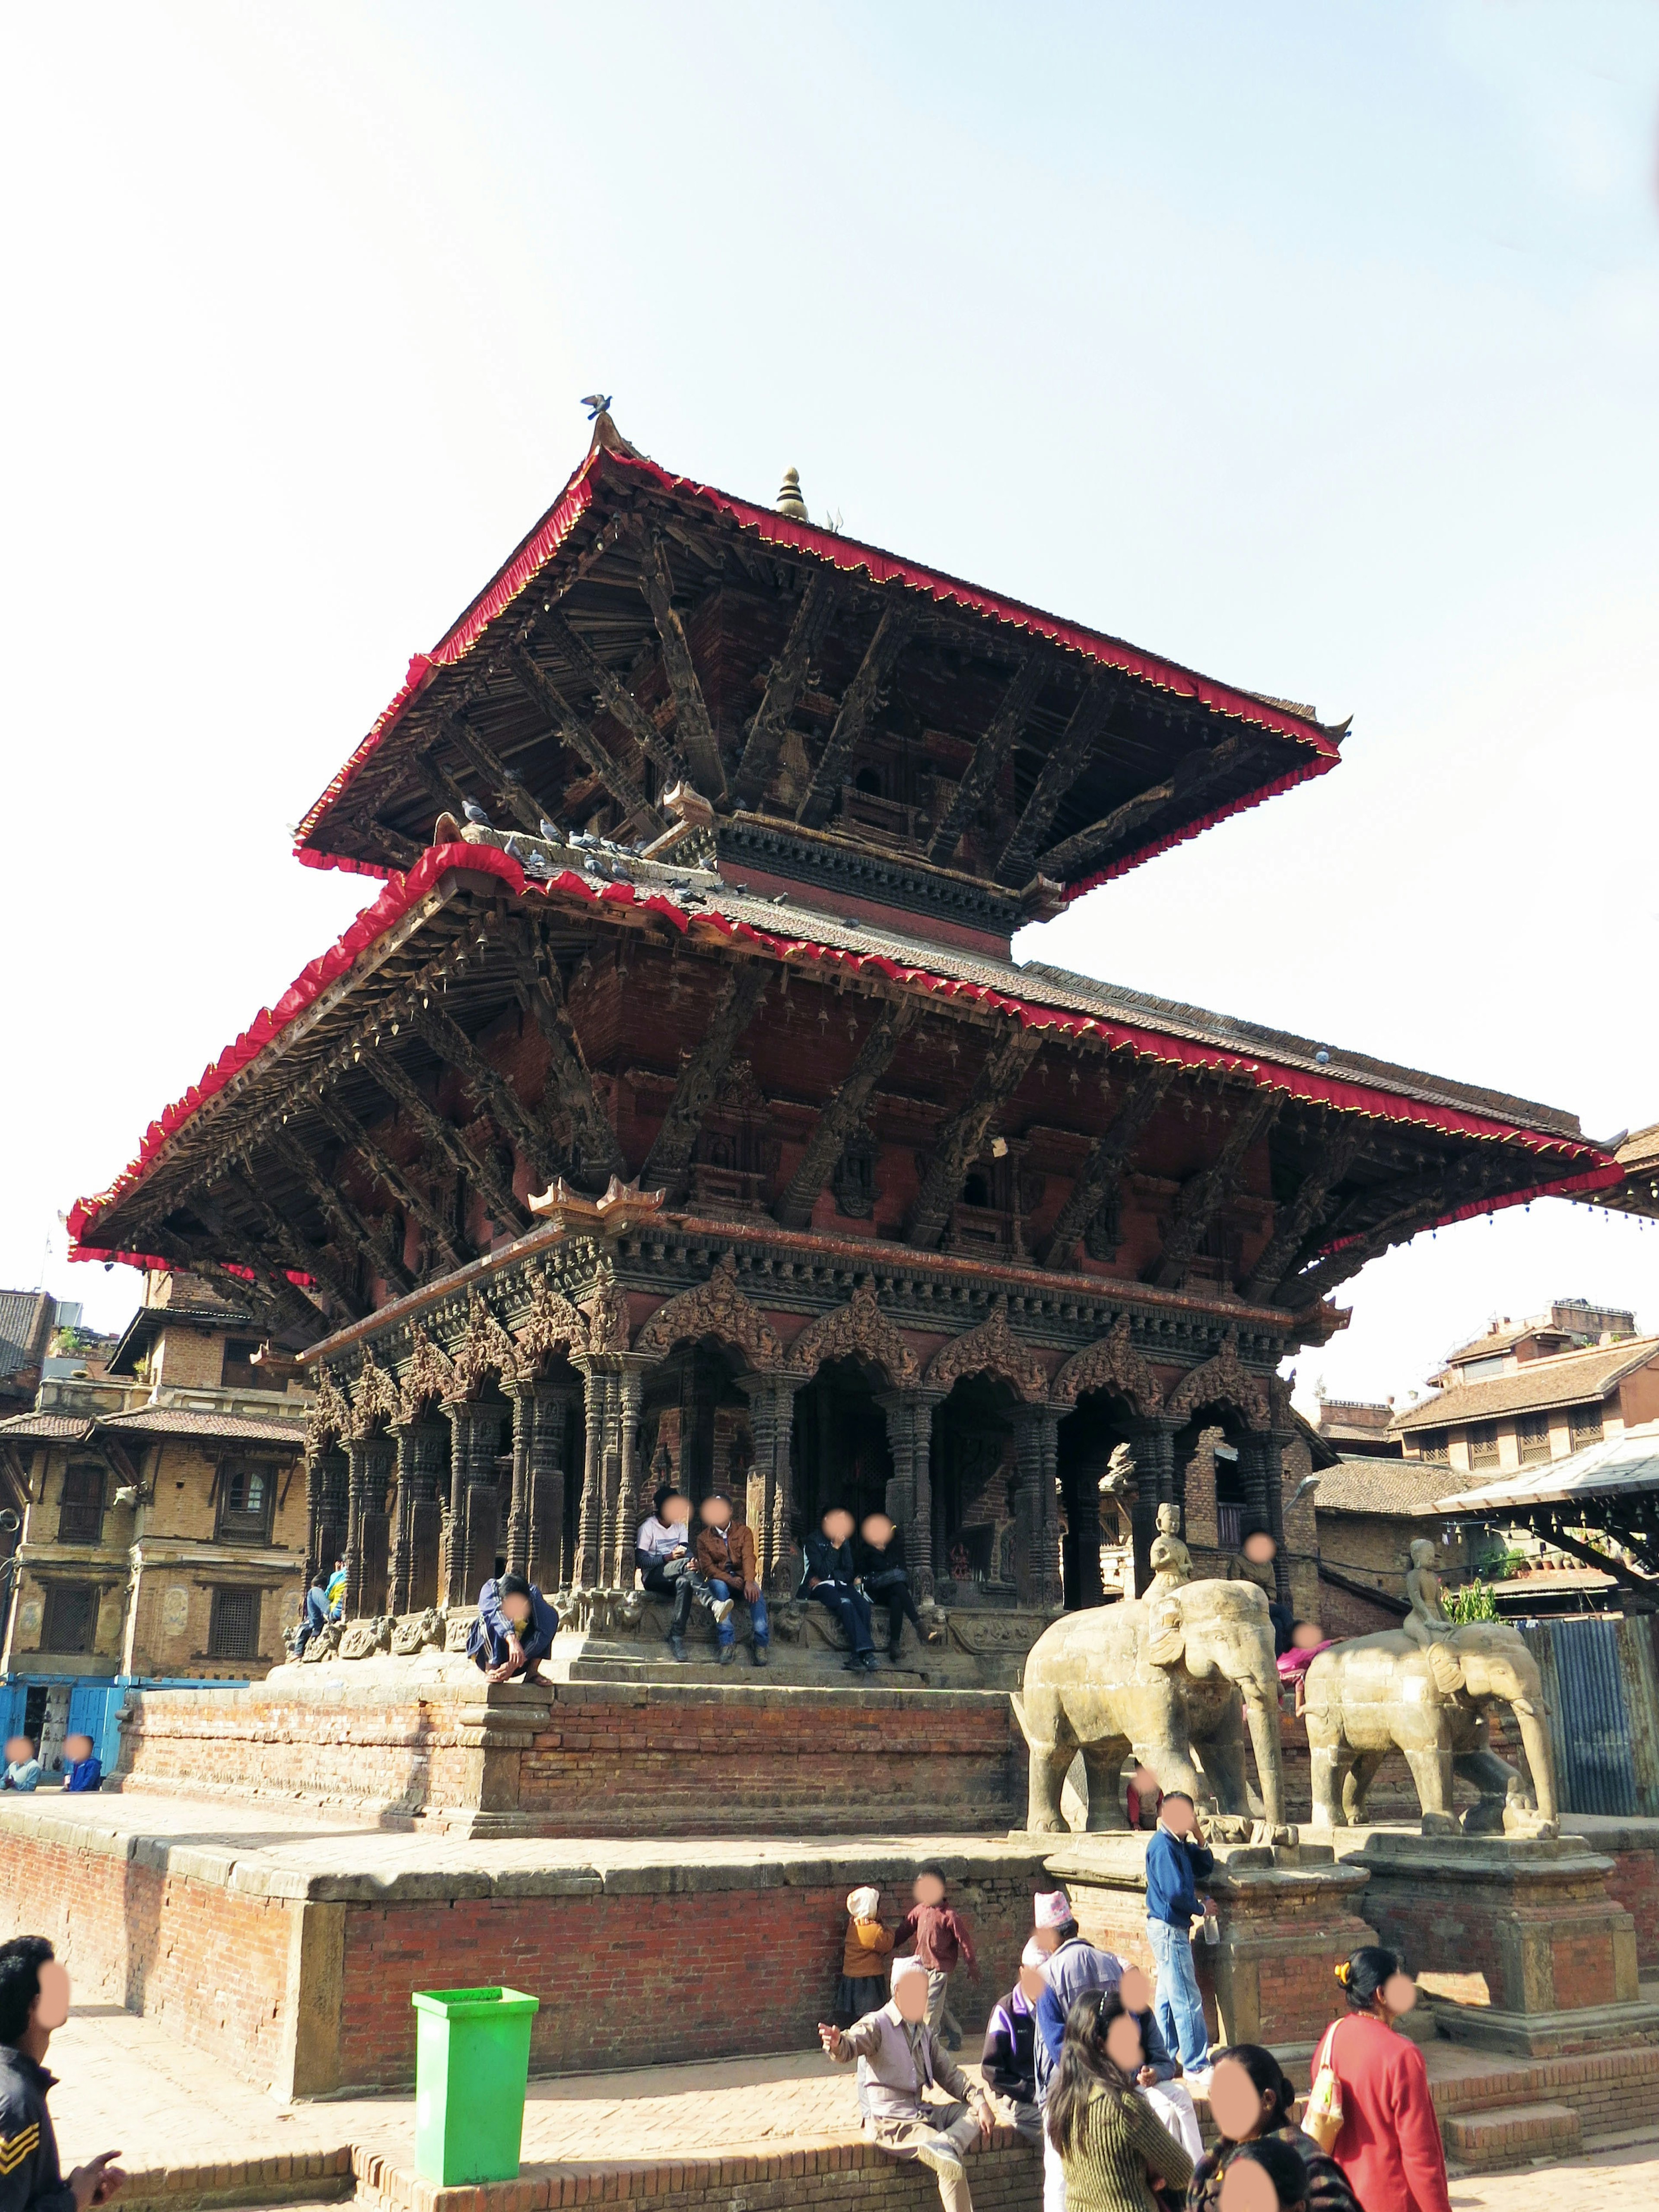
[(545, 1563), (910, 1493), (628, 1392), (771, 1501), (521, 1396), (472, 1523), (369, 1460), (1261, 1472), (1153, 1444), (417, 1516), (590, 1529), (1038, 1574), (316, 1478)]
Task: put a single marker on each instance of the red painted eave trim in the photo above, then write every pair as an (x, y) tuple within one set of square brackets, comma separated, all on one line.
[(843, 553), (1586, 1167)]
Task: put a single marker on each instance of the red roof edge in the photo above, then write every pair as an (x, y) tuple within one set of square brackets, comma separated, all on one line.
[(1589, 1167), (533, 553)]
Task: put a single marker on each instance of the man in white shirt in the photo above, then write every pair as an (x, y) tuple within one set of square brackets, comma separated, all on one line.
[(662, 1552)]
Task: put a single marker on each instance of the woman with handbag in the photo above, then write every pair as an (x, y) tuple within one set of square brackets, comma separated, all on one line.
[(1369, 2107), (1117, 2154), (1251, 2102)]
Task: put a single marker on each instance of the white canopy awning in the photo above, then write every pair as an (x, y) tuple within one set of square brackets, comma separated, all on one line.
[(1626, 1463)]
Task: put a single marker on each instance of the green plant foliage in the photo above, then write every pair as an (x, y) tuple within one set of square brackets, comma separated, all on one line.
[(1474, 1601)]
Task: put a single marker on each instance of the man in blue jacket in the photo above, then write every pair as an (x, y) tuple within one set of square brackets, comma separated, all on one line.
[(1176, 1861), (513, 1631)]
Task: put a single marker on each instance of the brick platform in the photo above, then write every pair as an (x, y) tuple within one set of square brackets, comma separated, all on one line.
[(679, 1758), (291, 1953)]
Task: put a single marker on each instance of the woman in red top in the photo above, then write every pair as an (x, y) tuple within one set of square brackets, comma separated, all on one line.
[(1389, 2149)]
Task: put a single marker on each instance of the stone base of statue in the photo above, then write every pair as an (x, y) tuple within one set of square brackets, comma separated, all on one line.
[(1288, 1913), (1534, 1917)]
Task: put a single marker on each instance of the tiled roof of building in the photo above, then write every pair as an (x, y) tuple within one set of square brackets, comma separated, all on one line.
[(1496, 1341), (25, 1329), (1629, 1462), (1386, 1486), (186, 1421), (47, 1428), (1569, 1379)]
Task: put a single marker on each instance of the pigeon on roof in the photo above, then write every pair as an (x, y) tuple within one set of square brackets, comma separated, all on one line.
[(475, 815)]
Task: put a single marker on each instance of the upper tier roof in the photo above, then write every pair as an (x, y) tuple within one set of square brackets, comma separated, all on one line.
[(651, 630)]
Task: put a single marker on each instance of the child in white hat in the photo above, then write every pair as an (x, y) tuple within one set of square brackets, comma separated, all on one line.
[(863, 1984)]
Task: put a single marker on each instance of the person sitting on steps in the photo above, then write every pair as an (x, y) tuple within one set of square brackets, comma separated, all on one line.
[(662, 1552), (725, 1556), (880, 1561), (513, 1631), (828, 1574)]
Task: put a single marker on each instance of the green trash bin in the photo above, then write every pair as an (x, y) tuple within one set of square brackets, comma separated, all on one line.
[(471, 2066)]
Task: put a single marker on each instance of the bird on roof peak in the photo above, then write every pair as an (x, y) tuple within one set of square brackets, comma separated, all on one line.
[(605, 432), (475, 815)]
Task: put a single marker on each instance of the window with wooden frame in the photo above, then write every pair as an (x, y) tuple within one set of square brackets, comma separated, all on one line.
[(1483, 1443), (1434, 1446), (80, 1511), (247, 1495), (233, 1624), (1531, 1437), (71, 1616), (1585, 1425)]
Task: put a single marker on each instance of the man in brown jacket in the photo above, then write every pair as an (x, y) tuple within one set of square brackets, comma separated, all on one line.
[(726, 1555)]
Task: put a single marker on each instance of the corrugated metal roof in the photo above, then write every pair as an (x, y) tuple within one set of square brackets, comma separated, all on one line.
[(1569, 1379), (1629, 1462), (25, 1329)]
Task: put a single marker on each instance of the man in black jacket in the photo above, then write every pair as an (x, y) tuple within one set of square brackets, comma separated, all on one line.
[(35, 2000), (829, 1575), (879, 1557)]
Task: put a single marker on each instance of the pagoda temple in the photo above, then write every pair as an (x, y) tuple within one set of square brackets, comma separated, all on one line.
[(679, 1107)]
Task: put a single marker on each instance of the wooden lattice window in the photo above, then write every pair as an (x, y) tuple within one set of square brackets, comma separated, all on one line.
[(1584, 1425), (1435, 1447), (1532, 1437), (71, 1616), (233, 1624), (80, 1514), (247, 1494), (1483, 1445)]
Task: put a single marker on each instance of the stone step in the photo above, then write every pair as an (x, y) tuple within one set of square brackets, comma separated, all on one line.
[(1511, 2134)]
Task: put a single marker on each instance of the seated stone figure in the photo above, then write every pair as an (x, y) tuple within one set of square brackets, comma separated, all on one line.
[(1427, 1623), (1172, 1562)]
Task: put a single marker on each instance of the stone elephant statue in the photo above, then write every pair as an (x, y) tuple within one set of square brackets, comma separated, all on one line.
[(1161, 1678), (1374, 1694)]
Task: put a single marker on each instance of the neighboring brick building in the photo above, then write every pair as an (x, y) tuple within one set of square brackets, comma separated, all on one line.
[(1356, 1428), (165, 1515)]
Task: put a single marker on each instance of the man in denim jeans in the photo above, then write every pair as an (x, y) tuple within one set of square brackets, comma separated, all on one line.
[(1176, 1861)]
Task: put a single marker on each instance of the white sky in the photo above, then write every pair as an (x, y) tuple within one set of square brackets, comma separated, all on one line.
[(1315, 346)]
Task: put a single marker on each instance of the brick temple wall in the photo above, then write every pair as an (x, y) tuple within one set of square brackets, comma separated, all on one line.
[(209, 1963), (713, 1764), (645, 1761), (707, 1968)]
